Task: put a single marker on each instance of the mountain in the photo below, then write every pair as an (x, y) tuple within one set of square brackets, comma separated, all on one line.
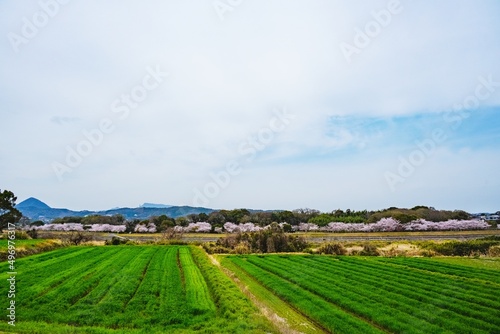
[(35, 209), (156, 206), (32, 203)]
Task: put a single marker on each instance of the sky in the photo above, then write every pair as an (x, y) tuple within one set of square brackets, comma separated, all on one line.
[(263, 104)]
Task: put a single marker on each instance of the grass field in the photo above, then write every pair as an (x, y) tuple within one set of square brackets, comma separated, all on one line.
[(377, 295), (127, 289), (179, 289), (21, 243)]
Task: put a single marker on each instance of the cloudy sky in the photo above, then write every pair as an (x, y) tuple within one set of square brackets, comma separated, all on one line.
[(266, 104)]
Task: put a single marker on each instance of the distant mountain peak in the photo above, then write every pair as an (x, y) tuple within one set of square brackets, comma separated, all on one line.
[(35, 209), (32, 203), (156, 206)]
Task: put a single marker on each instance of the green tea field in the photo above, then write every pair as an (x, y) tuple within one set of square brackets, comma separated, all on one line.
[(127, 289), (378, 295), (180, 289)]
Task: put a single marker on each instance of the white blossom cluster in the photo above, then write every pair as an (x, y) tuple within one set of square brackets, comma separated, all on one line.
[(59, 227), (306, 227), (246, 227), (391, 224), (149, 228), (201, 227), (383, 225), (453, 224), (108, 228), (80, 227)]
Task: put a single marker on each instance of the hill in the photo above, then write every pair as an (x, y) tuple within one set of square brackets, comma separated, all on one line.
[(35, 209), (32, 203)]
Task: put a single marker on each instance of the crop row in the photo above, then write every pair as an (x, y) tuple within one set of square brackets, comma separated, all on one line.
[(407, 292), (367, 302), (448, 269), (147, 289), (454, 286), (327, 315), (390, 300), (197, 294)]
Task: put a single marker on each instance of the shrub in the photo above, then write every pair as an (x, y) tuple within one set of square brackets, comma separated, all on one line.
[(354, 252), (393, 252), (271, 240), (465, 248), (427, 253), (369, 250), (116, 241), (309, 250), (494, 251), (78, 237), (22, 235), (32, 233), (242, 248), (332, 248)]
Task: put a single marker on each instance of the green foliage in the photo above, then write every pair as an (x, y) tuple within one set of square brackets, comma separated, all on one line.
[(464, 248), (417, 212), (115, 241), (8, 212), (460, 248), (98, 219), (67, 220), (22, 235), (162, 223), (37, 223), (356, 217)]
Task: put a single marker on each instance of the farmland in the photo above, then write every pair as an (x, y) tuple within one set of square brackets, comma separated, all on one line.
[(377, 295), (127, 289), (180, 289)]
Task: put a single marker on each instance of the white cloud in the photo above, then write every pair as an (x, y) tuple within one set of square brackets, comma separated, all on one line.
[(226, 77)]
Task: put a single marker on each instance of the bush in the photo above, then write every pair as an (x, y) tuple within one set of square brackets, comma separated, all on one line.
[(309, 250), (22, 235), (242, 248), (494, 251), (116, 241), (272, 240), (427, 253), (32, 233), (369, 250), (78, 237), (465, 248), (214, 249), (333, 249), (394, 252)]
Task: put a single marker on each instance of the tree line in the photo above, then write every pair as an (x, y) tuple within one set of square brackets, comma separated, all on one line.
[(217, 219)]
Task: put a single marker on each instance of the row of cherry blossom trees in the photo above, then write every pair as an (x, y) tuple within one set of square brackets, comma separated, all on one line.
[(80, 227), (391, 225), (383, 225)]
